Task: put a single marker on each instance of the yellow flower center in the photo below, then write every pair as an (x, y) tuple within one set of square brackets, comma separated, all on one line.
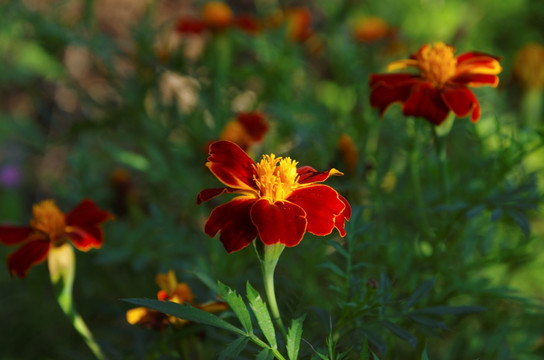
[(276, 177), (437, 63), (48, 219)]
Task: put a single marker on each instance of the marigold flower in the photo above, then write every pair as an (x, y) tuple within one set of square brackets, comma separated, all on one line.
[(245, 130), (49, 228), (529, 66), (371, 28), (170, 290), (217, 16), (279, 202), (441, 85), (349, 152)]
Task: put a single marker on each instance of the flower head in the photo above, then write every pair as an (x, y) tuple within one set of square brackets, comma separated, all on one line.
[(278, 201), (441, 85), (50, 228), (245, 130), (529, 66), (217, 16), (170, 290), (372, 28)]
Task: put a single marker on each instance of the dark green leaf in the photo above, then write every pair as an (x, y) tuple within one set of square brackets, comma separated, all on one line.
[(475, 211), (294, 334), (401, 333), (449, 310), (496, 214), (265, 354), (421, 292), (429, 322), (263, 316), (520, 219), (186, 312), (234, 348), (237, 305), (424, 355)]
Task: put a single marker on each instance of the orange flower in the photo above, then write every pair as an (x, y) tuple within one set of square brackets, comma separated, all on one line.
[(170, 290), (217, 16), (372, 28), (278, 201), (51, 228), (441, 85), (247, 129), (529, 66)]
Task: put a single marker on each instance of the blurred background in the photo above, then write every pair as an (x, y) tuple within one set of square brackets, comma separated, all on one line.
[(117, 100)]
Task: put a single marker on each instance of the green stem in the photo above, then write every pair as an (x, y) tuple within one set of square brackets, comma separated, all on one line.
[(440, 146), (268, 265), (61, 262)]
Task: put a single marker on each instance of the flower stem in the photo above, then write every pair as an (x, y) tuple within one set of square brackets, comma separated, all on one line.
[(61, 262), (440, 146), (268, 265)]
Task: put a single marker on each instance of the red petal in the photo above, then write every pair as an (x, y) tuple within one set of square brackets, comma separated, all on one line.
[(231, 165), (190, 26), (321, 204), (11, 235), (254, 123), (280, 222), (475, 80), (426, 102), (459, 99), (469, 56), (308, 174), (208, 194), (248, 23), (31, 253), (340, 220), (86, 239), (233, 222), (387, 89), (86, 213)]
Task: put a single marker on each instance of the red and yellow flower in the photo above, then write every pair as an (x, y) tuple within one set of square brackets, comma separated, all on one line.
[(278, 201), (170, 290), (371, 28), (245, 130), (217, 16), (50, 228), (441, 85)]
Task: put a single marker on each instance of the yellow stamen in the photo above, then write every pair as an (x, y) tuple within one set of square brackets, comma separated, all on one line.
[(48, 219), (276, 177), (437, 63)]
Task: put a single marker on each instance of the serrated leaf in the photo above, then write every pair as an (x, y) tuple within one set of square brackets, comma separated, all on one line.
[(401, 333), (237, 305), (186, 312), (449, 310), (265, 354), (421, 292), (234, 348), (520, 219), (294, 335), (262, 315)]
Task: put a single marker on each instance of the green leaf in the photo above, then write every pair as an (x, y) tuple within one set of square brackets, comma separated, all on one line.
[(263, 316), (496, 214), (237, 305), (294, 334), (449, 310), (427, 321), (265, 354), (424, 355), (520, 219), (234, 348), (475, 211), (186, 312), (401, 333), (422, 291), (365, 352)]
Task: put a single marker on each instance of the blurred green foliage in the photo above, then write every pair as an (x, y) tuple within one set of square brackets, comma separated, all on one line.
[(117, 106)]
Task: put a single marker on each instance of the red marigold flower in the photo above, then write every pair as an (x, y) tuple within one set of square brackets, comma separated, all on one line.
[(49, 228), (278, 201), (217, 16), (247, 129), (441, 85), (170, 290), (372, 28)]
